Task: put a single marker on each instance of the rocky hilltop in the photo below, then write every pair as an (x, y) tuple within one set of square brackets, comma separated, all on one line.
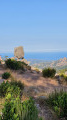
[(58, 64)]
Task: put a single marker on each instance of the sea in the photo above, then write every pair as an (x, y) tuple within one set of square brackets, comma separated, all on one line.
[(39, 55)]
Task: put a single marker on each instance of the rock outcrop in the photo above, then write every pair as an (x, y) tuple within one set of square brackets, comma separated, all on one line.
[(19, 52), (25, 61)]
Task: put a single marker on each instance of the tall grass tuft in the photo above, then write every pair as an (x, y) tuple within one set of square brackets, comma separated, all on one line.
[(58, 102)]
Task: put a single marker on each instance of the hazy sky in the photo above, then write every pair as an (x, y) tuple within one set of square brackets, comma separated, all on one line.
[(38, 25)]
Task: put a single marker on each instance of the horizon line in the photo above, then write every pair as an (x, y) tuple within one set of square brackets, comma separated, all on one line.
[(33, 51)]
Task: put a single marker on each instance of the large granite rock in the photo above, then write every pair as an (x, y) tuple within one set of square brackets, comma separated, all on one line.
[(19, 52)]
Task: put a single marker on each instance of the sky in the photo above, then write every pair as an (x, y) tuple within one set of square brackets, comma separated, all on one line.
[(37, 25)]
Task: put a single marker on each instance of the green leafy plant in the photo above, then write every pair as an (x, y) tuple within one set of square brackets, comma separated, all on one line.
[(48, 72), (6, 75), (14, 91), (11, 106), (19, 111), (15, 65), (18, 84), (30, 110), (13, 86), (3, 88), (12, 64), (58, 102)]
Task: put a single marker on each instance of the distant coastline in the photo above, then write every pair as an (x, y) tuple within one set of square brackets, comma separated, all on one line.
[(39, 55)]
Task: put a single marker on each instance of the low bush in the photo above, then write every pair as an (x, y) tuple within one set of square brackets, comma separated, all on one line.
[(11, 108), (48, 72), (14, 91), (58, 102), (12, 64), (18, 84), (3, 88), (6, 75), (13, 86), (30, 110), (15, 110), (15, 65)]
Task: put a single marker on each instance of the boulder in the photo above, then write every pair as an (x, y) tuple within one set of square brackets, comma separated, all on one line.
[(24, 60), (19, 52)]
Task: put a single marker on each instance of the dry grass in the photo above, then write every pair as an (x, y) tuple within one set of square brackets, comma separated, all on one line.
[(35, 84)]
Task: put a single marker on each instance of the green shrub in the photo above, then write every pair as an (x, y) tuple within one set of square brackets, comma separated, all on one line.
[(6, 75), (48, 72), (14, 91), (3, 88), (29, 111), (11, 107), (19, 111), (18, 84), (15, 65), (58, 102), (12, 64), (13, 86)]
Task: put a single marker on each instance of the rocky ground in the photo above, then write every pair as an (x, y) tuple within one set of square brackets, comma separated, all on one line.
[(37, 86)]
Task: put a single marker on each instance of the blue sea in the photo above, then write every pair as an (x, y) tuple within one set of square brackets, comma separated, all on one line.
[(39, 56)]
